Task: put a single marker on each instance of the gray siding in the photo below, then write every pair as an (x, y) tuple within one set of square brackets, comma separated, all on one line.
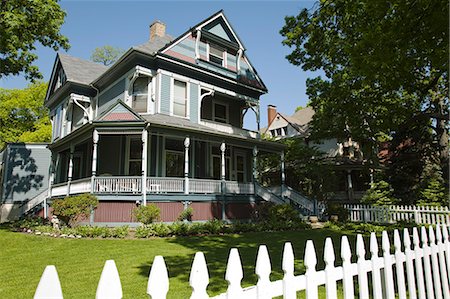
[(104, 101), (193, 99), (25, 172), (165, 94)]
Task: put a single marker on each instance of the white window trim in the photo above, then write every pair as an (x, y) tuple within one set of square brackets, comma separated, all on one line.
[(172, 94), (149, 94), (224, 56), (127, 153)]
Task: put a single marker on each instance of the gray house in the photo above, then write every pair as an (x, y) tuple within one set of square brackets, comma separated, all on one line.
[(24, 174), (345, 155), (162, 125)]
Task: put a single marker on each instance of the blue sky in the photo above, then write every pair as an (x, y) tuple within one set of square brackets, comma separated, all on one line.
[(91, 24)]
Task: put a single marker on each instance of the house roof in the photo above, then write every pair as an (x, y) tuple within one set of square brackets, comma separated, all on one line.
[(79, 70), (151, 47), (299, 120)]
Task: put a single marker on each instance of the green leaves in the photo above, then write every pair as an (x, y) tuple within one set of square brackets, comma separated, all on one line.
[(106, 55), (23, 116), (74, 208), (22, 24)]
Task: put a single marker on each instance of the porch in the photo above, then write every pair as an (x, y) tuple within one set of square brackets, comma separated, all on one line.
[(133, 185)]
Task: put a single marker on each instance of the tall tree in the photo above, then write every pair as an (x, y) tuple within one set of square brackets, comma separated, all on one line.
[(385, 66), (23, 23), (106, 55), (23, 116)]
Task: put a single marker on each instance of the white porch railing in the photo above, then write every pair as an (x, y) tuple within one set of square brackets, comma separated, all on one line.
[(239, 188), (59, 189), (117, 184), (417, 270), (165, 185), (205, 186), (80, 186), (392, 214), (228, 129)]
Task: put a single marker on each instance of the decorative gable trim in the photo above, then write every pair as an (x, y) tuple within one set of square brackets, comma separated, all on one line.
[(120, 112), (57, 66)]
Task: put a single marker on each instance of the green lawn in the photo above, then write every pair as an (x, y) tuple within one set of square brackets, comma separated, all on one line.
[(80, 261)]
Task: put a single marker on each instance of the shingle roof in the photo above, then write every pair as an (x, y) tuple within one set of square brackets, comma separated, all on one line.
[(151, 47), (79, 70), (303, 116)]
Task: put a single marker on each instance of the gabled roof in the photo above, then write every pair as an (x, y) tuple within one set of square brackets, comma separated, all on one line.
[(299, 120), (79, 70), (119, 111)]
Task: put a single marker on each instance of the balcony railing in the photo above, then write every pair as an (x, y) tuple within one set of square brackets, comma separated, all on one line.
[(165, 185), (205, 186), (117, 184)]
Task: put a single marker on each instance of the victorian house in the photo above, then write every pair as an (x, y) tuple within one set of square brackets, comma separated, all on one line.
[(162, 125)]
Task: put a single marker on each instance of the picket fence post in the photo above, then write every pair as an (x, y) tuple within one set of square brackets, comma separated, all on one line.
[(288, 269), (409, 256), (362, 269), (158, 279), (330, 270), (109, 286), (310, 261), (387, 270), (234, 274), (262, 270), (49, 285), (199, 277), (399, 271), (441, 256)]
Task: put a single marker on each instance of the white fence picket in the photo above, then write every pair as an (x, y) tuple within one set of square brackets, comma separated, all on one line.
[(158, 280), (288, 269), (262, 270), (426, 266), (199, 278), (234, 275), (49, 285), (109, 286)]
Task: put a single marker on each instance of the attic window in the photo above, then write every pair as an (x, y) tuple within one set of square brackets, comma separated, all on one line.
[(60, 79), (216, 55)]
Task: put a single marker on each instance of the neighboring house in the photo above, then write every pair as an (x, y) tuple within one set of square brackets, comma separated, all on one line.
[(344, 154), (24, 175), (163, 125)]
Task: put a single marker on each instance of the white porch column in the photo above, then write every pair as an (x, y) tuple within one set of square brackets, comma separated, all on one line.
[(94, 159), (144, 166), (255, 161), (70, 170), (283, 175), (222, 177), (350, 185), (186, 165)]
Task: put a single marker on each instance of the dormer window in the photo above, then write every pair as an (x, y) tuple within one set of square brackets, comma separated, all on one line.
[(216, 55), (140, 94)]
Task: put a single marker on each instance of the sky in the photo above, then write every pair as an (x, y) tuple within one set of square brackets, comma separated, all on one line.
[(91, 24)]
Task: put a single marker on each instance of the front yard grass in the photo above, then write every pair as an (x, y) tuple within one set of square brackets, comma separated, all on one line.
[(79, 262)]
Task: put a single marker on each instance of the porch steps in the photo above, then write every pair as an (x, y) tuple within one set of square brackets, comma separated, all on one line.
[(305, 205), (34, 203)]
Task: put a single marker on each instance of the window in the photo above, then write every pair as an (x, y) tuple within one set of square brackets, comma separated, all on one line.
[(221, 113), (135, 157), (140, 94), (174, 158), (216, 55), (180, 99), (57, 123)]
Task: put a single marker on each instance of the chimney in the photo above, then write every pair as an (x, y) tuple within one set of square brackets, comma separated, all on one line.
[(271, 113), (157, 28)]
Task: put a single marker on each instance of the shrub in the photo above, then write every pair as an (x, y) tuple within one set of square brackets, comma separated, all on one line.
[(186, 214), (380, 194), (74, 208), (147, 214), (160, 229), (179, 228), (337, 209), (119, 232), (29, 223), (214, 226)]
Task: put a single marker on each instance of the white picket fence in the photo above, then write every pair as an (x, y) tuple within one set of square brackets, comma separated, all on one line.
[(418, 271), (392, 214)]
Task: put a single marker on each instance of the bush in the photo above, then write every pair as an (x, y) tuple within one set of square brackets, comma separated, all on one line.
[(147, 214), (74, 208), (380, 194), (29, 223), (119, 232), (338, 210), (186, 214)]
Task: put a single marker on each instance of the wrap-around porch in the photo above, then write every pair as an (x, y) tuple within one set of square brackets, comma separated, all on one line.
[(143, 162)]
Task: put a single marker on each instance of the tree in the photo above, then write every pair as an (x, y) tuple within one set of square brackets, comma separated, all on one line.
[(380, 194), (73, 209), (23, 23), (106, 55), (23, 116), (385, 66)]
